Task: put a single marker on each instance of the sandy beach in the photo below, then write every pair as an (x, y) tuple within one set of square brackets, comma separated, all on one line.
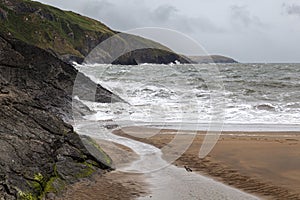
[(264, 164), (111, 185)]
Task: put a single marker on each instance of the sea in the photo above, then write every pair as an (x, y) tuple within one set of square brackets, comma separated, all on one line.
[(245, 97)]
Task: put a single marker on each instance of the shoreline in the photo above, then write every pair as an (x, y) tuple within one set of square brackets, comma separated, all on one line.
[(239, 159), (203, 126)]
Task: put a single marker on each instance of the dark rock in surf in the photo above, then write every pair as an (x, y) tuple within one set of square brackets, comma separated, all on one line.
[(266, 107)]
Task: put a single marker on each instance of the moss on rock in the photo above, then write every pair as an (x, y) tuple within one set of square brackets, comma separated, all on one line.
[(97, 152)]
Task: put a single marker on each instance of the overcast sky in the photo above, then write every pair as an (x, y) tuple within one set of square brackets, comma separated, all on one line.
[(247, 30)]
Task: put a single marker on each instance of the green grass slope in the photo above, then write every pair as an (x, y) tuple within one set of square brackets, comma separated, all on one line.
[(64, 33), (49, 28)]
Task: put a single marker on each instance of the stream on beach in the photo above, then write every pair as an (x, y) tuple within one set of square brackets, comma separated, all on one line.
[(166, 180)]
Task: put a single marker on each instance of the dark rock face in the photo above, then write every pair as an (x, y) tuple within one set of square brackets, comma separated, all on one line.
[(158, 56), (40, 153), (47, 79), (126, 49), (3, 14), (37, 147)]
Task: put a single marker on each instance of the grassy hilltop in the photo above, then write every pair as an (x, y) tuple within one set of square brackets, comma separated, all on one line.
[(66, 34)]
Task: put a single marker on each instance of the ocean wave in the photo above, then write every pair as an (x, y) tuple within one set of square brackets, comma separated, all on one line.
[(253, 94)]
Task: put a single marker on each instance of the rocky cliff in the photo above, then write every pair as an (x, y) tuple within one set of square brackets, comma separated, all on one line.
[(68, 35), (40, 154)]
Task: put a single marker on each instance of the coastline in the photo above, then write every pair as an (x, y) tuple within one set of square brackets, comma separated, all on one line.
[(252, 162)]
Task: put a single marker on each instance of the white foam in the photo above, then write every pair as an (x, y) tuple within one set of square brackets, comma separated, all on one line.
[(99, 116), (164, 93)]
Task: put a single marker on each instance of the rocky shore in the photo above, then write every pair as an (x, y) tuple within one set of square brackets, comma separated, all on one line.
[(40, 153)]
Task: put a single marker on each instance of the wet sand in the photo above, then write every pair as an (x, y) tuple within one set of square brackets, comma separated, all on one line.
[(113, 185), (110, 185), (264, 164)]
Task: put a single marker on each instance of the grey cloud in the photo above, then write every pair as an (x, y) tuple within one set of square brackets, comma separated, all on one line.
[(121, 15), (135, 16), (242, 16), (164, 12), (94, 7), (244, 29), (292, 9), (169, 16), (114, 15), (206, 25)]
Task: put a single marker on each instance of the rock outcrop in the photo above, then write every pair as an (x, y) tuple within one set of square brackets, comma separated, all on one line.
[(40, 154), (47, 79), (142, 56)]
